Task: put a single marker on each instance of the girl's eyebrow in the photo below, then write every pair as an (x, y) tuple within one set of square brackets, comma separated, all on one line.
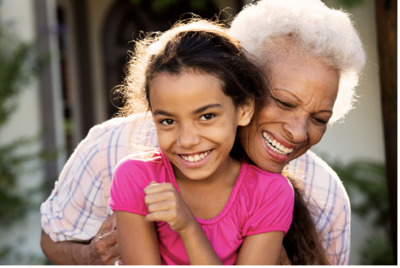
[(206, 107), (199, 110), (161, 112)]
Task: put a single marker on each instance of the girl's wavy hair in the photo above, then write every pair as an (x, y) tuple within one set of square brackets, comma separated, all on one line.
[(312, 28), (192, 45)]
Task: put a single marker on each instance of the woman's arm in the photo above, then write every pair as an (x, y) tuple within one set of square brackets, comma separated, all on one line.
[(165, 204), (137, 239), (102, 249), (261, 249)]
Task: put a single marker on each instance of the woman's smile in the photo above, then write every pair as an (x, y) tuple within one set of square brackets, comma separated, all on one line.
[(275, 145)]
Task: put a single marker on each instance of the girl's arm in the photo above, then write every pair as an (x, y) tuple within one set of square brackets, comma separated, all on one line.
[(261, 249), (137, 239), (198, 247), (165, 204)]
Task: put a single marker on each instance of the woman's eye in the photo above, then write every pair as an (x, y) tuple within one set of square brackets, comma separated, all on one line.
[(284, 104), (320, 121), (207, 116), (167, 122)]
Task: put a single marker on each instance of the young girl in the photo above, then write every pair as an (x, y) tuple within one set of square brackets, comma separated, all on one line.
[(193, 202)]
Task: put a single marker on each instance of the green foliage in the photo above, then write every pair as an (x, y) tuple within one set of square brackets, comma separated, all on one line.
[(14, 201), (367, 180), (377, 251), (17, 68), (13, 58), (19, 64)]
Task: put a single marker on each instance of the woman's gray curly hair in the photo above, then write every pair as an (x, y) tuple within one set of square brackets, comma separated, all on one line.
[(317, 30)]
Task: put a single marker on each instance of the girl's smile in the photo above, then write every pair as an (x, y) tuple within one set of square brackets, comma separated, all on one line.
[(196, 157)]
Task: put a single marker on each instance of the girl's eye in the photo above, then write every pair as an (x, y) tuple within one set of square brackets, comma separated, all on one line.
[(207, 116), (167, 122)]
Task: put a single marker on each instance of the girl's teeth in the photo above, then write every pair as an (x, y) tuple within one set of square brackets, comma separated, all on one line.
[(275, 145), (196, 157)]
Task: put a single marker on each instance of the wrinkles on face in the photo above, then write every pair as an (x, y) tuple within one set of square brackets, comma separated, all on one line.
[(303, 92)]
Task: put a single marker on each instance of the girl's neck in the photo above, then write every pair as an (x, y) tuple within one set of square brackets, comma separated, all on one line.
[(207, 198)]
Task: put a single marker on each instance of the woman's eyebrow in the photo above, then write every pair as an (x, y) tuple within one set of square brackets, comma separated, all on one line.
[(289, 92)]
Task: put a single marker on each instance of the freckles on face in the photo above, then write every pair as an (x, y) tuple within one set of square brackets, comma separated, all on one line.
[(303, 92)]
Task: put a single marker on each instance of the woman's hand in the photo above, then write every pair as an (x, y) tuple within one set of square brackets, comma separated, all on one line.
[(165, 204)]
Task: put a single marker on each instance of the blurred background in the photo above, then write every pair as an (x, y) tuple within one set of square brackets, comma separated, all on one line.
[(60, 59)]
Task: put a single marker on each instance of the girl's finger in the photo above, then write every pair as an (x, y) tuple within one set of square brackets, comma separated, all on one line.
[(161, 206), (154, 187), (159, 216), (159, 197)]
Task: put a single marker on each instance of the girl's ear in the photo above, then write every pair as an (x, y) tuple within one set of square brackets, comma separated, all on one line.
[(245, 113)]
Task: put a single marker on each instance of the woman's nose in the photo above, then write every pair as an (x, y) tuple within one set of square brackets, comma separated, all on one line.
[(296, 128), (187, 136)]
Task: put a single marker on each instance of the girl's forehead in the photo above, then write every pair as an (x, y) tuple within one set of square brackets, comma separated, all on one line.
[(188, 89)]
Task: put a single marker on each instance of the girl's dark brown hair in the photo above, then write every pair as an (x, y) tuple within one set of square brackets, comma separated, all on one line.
[(209, 52), (302, 242), (195, 45)]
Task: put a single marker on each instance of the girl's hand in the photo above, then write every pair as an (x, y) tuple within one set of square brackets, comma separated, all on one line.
[(165, 204)]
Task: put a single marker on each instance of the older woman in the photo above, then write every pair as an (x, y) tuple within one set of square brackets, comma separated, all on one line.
[(311, 56)]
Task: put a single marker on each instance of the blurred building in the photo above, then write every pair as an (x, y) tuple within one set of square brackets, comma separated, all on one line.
[(88, 43)]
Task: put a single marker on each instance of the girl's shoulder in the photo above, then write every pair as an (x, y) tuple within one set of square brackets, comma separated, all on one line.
[(146, 163)]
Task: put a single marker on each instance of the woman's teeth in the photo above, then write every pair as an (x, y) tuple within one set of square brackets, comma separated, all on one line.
[(194, 157), (275, 145)]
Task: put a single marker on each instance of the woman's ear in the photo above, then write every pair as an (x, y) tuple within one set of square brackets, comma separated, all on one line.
[(245, 113)]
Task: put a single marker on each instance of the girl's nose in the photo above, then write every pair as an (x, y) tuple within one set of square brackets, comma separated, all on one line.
[(187, 137)]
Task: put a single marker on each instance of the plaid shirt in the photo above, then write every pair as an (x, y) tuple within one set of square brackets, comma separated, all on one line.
[(78, 203)]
